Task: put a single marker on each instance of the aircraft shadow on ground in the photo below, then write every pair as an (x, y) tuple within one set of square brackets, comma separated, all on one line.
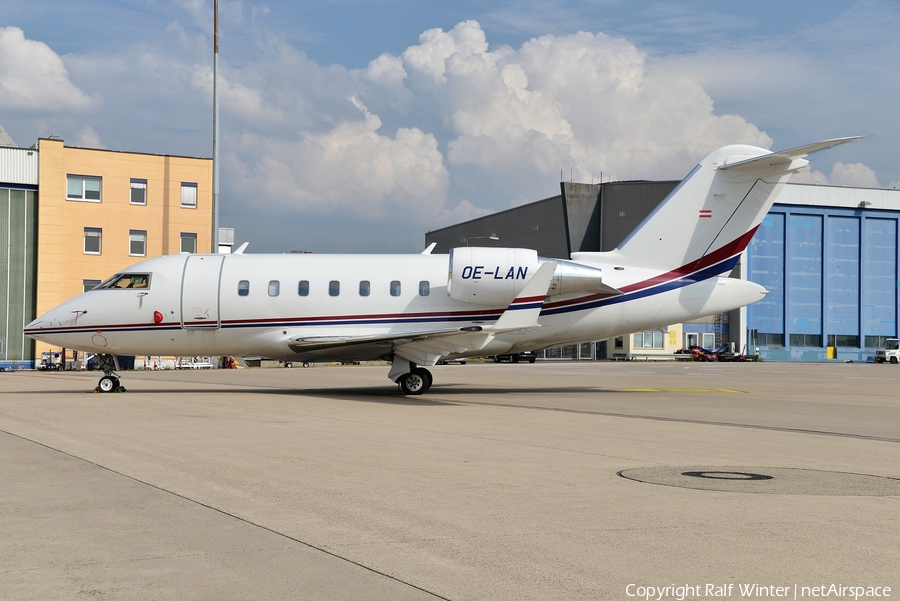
[(371, 394)]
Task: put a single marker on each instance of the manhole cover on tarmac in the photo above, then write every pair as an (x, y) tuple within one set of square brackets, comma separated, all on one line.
[(768, 480)]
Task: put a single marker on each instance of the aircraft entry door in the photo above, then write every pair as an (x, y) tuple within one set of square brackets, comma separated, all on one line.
[(200, 292)]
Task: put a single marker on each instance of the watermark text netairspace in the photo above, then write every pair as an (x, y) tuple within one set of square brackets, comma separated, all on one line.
[(680, 592)]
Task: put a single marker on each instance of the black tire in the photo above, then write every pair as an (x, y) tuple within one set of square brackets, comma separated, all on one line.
[(429, 379), (288, 364), (306, 364), (413, 383), (532, 359), (879, 360), (515, 359), (894, 360), (108, 384)]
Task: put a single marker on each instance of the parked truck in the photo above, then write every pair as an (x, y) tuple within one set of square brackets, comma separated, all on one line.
[(890, 352)]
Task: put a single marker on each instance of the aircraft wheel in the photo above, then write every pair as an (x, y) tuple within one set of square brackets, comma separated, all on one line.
[(429, 379), (108, 384), (414, 382)]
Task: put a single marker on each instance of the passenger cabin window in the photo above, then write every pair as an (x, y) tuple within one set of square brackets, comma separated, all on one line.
[(274, 288), (125, 281), (334, 288), (424, 288), (395, 288), (364, 288), (303, 288), (244, 288)]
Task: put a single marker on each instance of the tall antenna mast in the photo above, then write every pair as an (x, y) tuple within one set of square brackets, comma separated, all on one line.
[(215, 190)]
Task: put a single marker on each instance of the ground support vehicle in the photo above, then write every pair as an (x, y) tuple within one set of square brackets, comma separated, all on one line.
[(890, 352)]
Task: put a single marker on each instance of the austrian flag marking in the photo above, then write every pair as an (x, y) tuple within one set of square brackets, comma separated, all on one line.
[(705, 213)]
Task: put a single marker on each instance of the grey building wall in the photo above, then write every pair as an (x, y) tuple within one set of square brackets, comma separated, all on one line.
[(624, 205), (584, 217), (539, 225)]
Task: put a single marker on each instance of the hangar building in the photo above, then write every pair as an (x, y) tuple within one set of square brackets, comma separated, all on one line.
[(71, 217), (828, 256)]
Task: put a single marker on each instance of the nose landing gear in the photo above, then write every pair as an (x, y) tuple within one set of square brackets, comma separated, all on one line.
[(110, 380)]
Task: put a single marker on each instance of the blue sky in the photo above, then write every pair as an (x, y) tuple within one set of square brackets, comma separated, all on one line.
[(357, 126)]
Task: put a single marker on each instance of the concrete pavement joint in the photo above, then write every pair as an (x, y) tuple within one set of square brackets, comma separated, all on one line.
[(231, 515)]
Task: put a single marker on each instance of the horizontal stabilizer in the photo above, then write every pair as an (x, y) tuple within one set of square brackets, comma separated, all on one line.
[(784, 157)]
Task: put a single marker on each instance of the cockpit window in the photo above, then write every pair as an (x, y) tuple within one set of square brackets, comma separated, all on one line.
[(124, 281)]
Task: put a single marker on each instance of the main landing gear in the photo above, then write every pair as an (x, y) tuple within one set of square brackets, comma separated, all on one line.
[(416, 382), (110, 380), (413, 380)]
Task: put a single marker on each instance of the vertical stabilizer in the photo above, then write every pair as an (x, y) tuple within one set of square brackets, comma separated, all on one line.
[(713, 213)]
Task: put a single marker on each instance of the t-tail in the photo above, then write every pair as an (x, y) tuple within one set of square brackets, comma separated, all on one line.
[(710, 217)]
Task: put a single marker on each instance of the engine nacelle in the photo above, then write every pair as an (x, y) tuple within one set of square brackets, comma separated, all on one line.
[(490, 276)]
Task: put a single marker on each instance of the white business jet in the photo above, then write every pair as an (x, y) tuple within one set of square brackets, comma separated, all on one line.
[(414, 310)]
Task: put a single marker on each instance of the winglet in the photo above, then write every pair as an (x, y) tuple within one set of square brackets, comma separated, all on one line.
[(524, 310), (430, 248)]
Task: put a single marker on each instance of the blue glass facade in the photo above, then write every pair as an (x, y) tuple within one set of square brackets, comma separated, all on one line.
[(832, 280)]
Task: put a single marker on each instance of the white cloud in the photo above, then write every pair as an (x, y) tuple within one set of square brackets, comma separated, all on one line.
[(88, 138), (34, 78), (842, 174), (586, 103), (855, 174), (351, 169)]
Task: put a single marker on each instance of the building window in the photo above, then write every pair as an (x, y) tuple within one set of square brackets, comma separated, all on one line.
[(274, 288), (188, 242), (619, 342), (244, 288), (92, 240), (89, 284), (334, 288), (303, 288), (395, 288), (188, 195), (813, 340), (137, 243), (138, 191), (652, 339), (763, 339), (83, 187), (364, 288), (424, 288), (843, 340), (876, 341)]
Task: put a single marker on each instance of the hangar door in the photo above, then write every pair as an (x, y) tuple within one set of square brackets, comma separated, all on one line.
[(200, 292)]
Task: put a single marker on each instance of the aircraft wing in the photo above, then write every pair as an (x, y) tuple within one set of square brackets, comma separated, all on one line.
[(316, 343)]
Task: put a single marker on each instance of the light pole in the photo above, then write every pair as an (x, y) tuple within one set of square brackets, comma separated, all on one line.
[(215, 190), (480, 238)]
